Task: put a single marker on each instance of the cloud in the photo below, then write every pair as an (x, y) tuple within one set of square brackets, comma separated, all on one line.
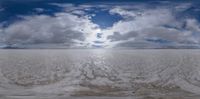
[(183, 6), (63, 28), (117, 36), (142, 26), (39, 10), (156, 27), (137, 21)]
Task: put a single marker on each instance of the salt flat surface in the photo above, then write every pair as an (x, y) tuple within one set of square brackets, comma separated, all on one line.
[(100, 74)]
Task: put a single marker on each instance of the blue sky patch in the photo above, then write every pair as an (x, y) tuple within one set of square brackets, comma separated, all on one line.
[(104, 19)]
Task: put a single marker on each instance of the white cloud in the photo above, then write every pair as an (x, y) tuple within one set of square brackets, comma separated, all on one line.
[(141, 20), (74, 28), (63, 28), (147, 23), (135, 21), (192, 24)]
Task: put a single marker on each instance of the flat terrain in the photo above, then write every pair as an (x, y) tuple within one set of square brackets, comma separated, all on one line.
[(100, 74)]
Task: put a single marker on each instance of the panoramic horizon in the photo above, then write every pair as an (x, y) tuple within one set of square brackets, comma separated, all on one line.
[(99, 49), (137, 24)]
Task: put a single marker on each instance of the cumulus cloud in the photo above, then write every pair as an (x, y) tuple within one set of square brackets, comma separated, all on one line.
[(157, 27), (62, 28), (142, 26)]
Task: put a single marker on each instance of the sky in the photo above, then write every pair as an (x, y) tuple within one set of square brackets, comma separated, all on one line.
[(99, 24)]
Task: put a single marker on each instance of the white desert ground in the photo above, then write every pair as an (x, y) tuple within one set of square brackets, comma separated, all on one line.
[(100, 74)]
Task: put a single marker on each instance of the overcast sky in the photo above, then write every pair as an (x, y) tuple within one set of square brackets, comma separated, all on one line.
[(99, 24)]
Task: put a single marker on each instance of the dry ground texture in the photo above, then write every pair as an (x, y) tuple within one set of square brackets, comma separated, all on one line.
[(100, 74)]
